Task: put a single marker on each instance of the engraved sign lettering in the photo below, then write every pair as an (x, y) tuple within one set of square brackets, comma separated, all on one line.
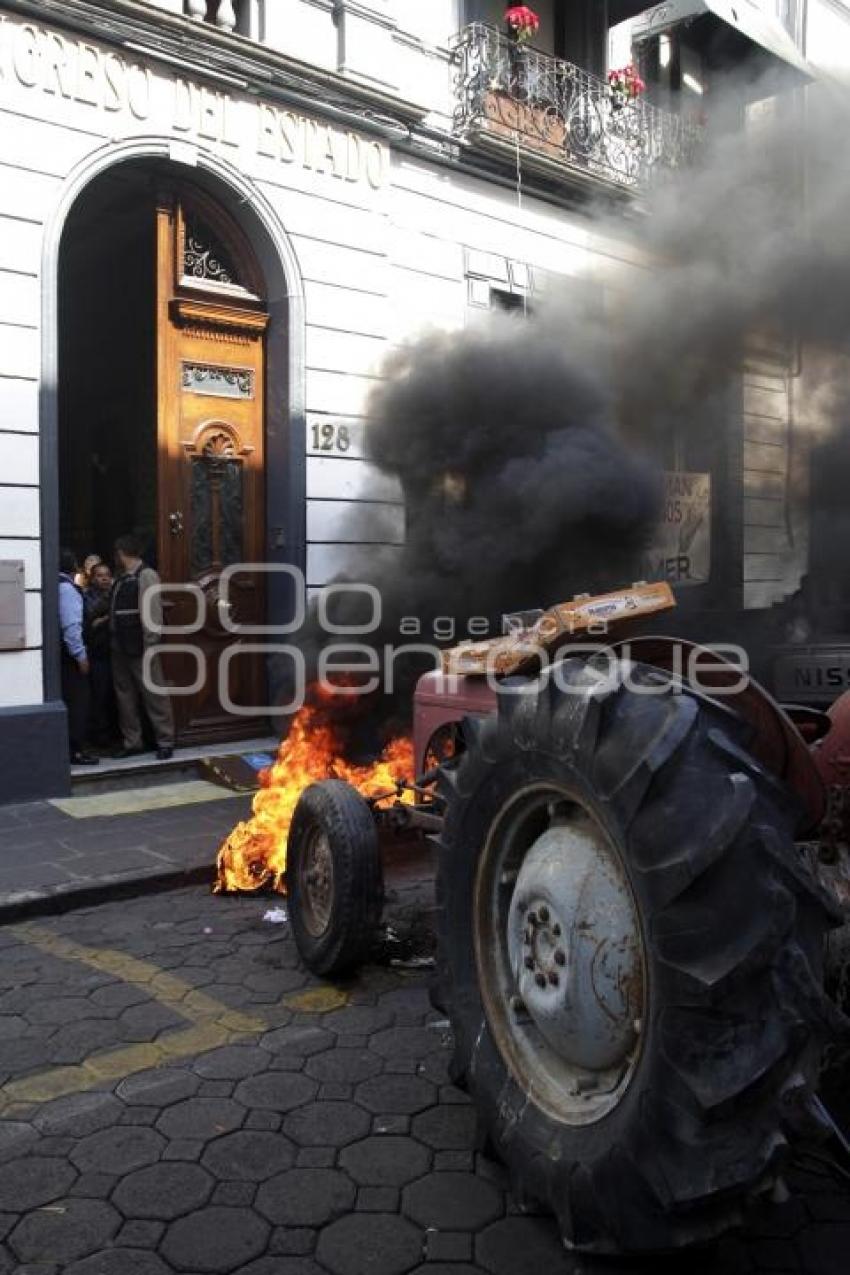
[(218, 382)]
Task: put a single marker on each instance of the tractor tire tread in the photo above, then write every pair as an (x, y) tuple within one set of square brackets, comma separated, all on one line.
[(358, 891), (733, 924)]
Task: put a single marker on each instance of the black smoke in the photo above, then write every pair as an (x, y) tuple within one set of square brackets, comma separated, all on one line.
[(519, 490), (749, 280), (750, 249)]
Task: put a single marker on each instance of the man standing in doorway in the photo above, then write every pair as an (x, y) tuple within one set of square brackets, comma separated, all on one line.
[(97, 599), (75, 661), (130, 638)]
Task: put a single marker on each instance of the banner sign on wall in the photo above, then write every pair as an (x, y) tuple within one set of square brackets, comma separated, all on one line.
[(681, 546)]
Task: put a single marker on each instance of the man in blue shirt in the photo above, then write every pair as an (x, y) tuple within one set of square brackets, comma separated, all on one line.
[(75, 661)]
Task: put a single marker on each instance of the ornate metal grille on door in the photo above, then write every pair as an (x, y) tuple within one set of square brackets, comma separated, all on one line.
[(217, 505)]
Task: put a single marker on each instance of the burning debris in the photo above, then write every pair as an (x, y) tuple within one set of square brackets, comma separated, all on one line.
[(522, 649), (254, 855)]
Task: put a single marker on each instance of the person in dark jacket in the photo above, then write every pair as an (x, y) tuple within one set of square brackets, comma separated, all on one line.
[(104, 712), (129, 639), (75, 661)]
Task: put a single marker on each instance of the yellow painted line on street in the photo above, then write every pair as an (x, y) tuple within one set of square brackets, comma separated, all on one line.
[(213, 1024), (134, 800)]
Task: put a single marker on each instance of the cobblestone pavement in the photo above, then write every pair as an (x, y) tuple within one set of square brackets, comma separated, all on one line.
[(176, 1094)]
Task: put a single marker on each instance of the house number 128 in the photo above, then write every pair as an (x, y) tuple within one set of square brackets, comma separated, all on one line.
[(331, 438)]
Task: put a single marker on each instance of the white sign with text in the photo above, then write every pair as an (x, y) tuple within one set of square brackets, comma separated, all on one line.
[(681, 547)]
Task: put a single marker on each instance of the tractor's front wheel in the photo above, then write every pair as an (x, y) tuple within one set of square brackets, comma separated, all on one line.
[(629, 955), (334, 878)]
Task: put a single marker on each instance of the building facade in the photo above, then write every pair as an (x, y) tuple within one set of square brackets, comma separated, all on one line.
[(216, 218)]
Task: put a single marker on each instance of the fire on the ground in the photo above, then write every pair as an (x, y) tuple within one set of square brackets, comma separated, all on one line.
[(254, 854)]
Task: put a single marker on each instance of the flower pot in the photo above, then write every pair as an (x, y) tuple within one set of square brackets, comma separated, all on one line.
[(538, 129)]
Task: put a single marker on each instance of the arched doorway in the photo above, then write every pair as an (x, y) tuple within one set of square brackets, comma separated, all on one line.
[(163, 317)]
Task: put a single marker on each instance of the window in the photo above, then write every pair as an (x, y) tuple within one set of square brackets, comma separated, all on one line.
[(492, 12), (675, 71), (210, 256), (509, 302), (496, 282), (483, 11)]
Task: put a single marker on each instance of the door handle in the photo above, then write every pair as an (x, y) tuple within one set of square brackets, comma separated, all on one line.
[(175, 523)]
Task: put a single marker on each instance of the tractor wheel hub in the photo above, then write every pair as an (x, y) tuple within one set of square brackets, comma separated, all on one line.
[(574, 947)]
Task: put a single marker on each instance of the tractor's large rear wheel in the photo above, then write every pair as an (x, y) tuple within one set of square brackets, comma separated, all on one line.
[(629, 954)]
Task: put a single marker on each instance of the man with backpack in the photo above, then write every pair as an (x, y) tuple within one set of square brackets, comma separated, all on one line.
[(130, 638)]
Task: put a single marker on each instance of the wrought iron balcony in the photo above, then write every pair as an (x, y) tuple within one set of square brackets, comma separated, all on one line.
[(509, 93)]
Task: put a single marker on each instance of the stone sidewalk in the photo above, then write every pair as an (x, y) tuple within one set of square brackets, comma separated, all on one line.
[(50, 861), (178, 1095)]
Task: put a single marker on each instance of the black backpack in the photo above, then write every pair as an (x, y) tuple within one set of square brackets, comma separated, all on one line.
[(125, 616)]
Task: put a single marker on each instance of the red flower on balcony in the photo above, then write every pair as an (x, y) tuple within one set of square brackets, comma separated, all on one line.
[(625, 83), (522, 22)]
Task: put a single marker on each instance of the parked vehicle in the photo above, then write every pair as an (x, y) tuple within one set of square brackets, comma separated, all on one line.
[(640, 875)]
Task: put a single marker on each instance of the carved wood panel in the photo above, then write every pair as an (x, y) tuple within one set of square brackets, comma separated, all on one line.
[(211, 363)]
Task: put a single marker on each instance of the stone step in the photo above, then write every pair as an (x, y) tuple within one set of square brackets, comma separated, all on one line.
[(117, 774)]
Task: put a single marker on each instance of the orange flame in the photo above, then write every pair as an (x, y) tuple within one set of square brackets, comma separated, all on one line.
[(254, 854)]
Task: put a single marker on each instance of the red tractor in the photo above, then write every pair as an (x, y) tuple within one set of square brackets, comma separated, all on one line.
[(642, 873)]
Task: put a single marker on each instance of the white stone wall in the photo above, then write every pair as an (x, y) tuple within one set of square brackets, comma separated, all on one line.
[(24, 199), (432, 23), (775, 454), (827, 38), (398, 46)]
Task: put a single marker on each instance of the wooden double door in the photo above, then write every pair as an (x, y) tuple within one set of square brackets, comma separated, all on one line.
[(211, 325)]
